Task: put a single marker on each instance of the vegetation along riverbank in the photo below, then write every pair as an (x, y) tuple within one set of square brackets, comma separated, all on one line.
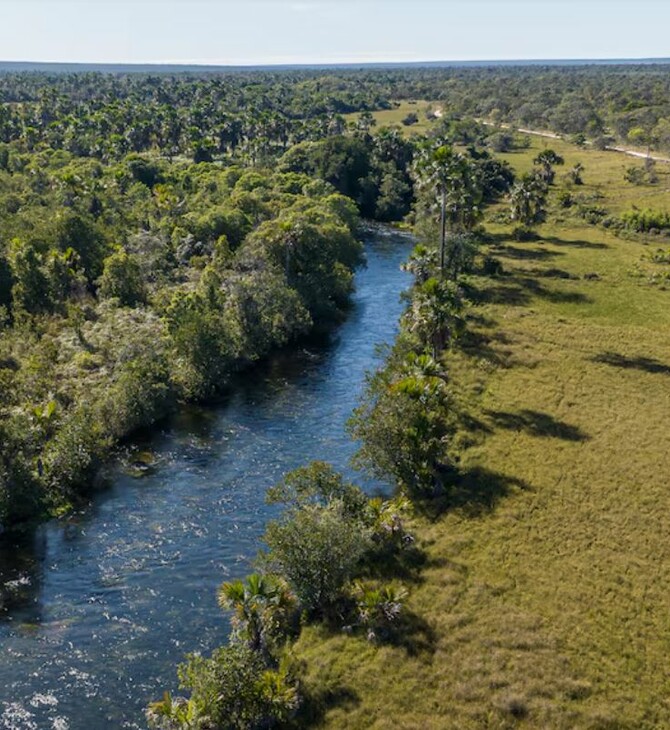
[(521, 368), (153, 244)]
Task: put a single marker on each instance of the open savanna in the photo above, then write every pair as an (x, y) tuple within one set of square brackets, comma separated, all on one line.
[(393, 117), (541, 598)]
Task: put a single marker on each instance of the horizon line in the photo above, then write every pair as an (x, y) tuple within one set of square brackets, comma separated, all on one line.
[(217, 64)]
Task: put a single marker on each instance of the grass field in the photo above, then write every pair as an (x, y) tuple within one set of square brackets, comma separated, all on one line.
[(542, 599), (394, 117)]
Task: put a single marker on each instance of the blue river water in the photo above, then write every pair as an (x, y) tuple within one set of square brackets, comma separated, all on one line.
[(99, 608)]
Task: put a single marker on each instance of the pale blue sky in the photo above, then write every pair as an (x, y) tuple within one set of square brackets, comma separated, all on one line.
[(311, 31)]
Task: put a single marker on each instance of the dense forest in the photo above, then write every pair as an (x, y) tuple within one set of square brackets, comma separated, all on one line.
[(256, 116)]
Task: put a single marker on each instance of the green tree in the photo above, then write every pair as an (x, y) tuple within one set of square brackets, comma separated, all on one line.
[(82, 235), (527, 201), (122, 279), (405, 425), (450, 179), (546, 161), (262, 606), (435, 315), (318, 550), (232, 690), (31, 291)]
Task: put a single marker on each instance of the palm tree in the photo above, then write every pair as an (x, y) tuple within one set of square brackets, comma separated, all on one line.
[(527, 201), (261, 604), (436, 314), (451, 178), (546, 160)]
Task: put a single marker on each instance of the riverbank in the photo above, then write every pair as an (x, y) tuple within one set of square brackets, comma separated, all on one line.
[(96, 622), (542, 590)]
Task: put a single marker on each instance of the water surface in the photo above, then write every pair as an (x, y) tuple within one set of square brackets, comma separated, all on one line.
[(101, 607)]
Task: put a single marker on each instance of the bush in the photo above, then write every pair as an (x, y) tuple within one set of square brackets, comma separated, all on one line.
[(122, 279), (404, 425), (317, 549), (643, 221), (592, 214), (234, 689)]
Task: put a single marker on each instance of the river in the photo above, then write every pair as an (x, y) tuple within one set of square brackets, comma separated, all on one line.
[(101, 607)]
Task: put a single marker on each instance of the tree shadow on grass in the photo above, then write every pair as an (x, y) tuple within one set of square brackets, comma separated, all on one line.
[(537, 424), (574, 243), (645, 364), (517, 291), (552, 295), (476, 343), (412, 633), (317, 702), (527, 254), (474, 492), (551, 273), (405, 564), (511, 295)]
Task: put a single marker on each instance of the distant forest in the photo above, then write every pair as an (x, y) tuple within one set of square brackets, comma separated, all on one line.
[(256, 115)]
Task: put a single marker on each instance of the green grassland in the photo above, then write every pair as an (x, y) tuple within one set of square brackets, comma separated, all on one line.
[(541, 600), (393, 117)]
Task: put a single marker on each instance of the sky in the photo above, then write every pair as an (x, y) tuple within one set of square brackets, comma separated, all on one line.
[(247, 32)]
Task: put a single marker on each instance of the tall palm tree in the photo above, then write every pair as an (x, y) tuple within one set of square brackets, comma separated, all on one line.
[(450, 177)]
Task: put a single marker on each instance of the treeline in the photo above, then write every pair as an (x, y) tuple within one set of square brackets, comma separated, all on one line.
[(254, 117), (257, 116)]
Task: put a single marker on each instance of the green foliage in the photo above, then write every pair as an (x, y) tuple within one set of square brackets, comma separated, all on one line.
[(435, 315), (317, 549), (405, 426), (206, 338), (201, 275), (378, 607), (528, 200), (81, 234), (122, 279), (263, 611), (318, 484), (232, 690), (31, 291), (546, 161), (372, 172), (646, 221)]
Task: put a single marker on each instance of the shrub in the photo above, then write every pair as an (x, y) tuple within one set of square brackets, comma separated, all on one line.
[(592, 214), (643, 221), (317, 549), (122, 279), (404, 425), (233, 689), (378, 608)]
